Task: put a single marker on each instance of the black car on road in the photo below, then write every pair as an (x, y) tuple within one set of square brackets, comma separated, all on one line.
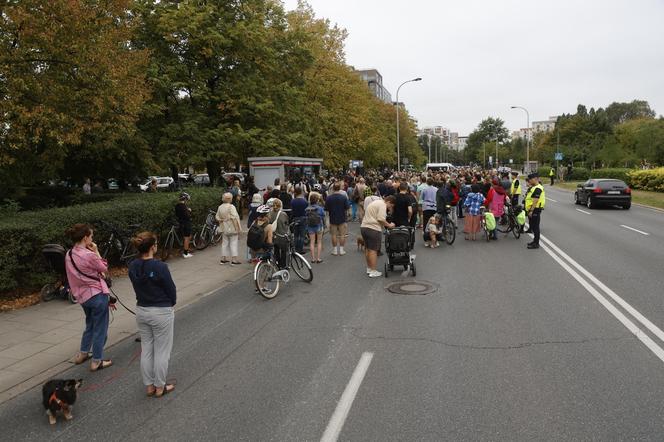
[(603, 192)]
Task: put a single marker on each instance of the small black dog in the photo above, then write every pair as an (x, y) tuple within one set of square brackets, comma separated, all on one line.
[(60, 394)]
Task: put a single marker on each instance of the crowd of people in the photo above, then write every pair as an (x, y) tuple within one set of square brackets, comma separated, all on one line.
[(299, 210)]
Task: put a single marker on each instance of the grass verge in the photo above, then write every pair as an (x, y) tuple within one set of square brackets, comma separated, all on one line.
[(645, 197)]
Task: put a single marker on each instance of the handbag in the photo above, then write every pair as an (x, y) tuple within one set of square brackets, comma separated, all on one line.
[(107, 279), (275, 222)]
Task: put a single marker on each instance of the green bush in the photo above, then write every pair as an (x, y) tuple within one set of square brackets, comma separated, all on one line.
[(617, 174), (652, 179), (578, 174), (23, 234)]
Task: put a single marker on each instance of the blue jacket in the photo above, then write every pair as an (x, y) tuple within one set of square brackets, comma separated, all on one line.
[(152, 283)]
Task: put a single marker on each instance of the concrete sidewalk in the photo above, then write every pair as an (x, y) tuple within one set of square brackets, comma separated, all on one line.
[(38, 342)]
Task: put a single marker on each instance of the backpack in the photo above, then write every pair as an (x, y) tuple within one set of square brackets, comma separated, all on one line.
[(256, 236), (313, 217), (490, 221)]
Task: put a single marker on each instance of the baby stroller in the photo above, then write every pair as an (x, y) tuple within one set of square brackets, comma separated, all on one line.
[(399, 242), (54, 254)]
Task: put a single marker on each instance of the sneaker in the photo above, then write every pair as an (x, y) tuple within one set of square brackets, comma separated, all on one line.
[(186, 255), (437, 244), (342, 252), (375, 274), (368, 270), (533, 246), (222, 262), (334, 252), (426, 244)]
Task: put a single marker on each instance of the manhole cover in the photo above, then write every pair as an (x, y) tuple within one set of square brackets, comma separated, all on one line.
[(412, 288)]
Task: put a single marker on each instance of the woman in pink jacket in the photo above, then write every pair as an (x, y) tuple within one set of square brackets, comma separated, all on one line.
[(495, 201), (85, 269)]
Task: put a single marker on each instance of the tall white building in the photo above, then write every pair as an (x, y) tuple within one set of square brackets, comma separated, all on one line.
[(544, 125)]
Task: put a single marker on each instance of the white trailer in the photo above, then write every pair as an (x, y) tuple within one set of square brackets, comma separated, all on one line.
[(266, 169)]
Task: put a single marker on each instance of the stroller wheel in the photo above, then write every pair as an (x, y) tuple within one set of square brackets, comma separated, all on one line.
[(391, 268), (386, 270), (49, 292), (412, 269)]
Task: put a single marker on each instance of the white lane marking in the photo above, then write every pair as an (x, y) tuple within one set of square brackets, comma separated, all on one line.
[(636, 230), (636, 331), (338, 419), (631, 310), (551, 199), (583, 211)]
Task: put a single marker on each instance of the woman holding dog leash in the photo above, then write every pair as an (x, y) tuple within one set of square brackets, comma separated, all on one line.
[(85, 269), (155, 314)]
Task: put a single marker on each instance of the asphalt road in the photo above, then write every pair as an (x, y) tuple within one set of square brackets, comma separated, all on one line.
[(511, 346)]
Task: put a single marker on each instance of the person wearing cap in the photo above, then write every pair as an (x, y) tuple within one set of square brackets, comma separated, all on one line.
[(183, 215), (534, 204)]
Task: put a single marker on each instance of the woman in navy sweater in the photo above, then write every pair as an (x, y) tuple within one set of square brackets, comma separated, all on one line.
[(155, 300)]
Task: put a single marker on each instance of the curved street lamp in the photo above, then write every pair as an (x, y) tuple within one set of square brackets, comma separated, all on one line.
[(398, 144), (527, 136)]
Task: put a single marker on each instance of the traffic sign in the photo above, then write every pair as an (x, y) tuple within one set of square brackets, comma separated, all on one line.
[(559, 156)]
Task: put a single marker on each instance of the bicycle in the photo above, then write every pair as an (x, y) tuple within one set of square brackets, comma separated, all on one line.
[(512, 224), (487, 232), (117, 248), (268, 277), (172, 236), (209, 234), (449, 227)]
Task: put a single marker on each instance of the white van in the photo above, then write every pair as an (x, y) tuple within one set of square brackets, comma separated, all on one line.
[(440, 167)]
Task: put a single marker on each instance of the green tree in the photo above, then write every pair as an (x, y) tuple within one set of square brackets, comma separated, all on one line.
[(487, 131), (71, 86)]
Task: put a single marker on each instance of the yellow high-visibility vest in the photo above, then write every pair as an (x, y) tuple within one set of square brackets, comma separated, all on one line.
[(515, 189), (541, 202)]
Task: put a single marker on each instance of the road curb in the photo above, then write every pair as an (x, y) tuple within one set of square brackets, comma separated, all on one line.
[(61, 367)]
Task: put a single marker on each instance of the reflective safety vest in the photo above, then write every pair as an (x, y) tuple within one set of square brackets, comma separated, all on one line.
[(552, 172), (528, 202), (515, 188)]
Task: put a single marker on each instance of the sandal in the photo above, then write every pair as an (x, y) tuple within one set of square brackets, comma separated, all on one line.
[(102, 365), (82, 357), (164, 390), (151, 391)]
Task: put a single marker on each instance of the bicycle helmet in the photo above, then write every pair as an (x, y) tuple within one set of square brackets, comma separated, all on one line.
[(185, 196), (263, 209), (270, 202), (317, 187)]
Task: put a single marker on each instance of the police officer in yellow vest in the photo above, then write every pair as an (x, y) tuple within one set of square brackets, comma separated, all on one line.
[(552, 174), (515, 189), (534, 203)]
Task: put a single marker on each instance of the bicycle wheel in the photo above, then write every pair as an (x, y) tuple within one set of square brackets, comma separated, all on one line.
[(301, 267), (267, 287), (167, 247), (203, 238), (450, 232), (216, 236), (49, 292), (516, 228)]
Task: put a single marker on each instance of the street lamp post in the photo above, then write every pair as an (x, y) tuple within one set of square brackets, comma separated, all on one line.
[(527, 136), (398, 144)]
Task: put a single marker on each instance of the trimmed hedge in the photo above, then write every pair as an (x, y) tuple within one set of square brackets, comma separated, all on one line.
[(23, 234), (616, 174), (578, 174), (652, 179)]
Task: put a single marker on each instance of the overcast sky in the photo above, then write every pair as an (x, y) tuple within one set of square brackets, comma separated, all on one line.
[(478, 57)]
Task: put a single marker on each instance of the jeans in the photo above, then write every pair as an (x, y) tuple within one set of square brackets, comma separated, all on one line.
[(96, 326), (155, 325), (281, 253), (353, 210), (299, 230)]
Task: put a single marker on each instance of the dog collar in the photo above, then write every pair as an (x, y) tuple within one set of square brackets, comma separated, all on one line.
[(55, 399)]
